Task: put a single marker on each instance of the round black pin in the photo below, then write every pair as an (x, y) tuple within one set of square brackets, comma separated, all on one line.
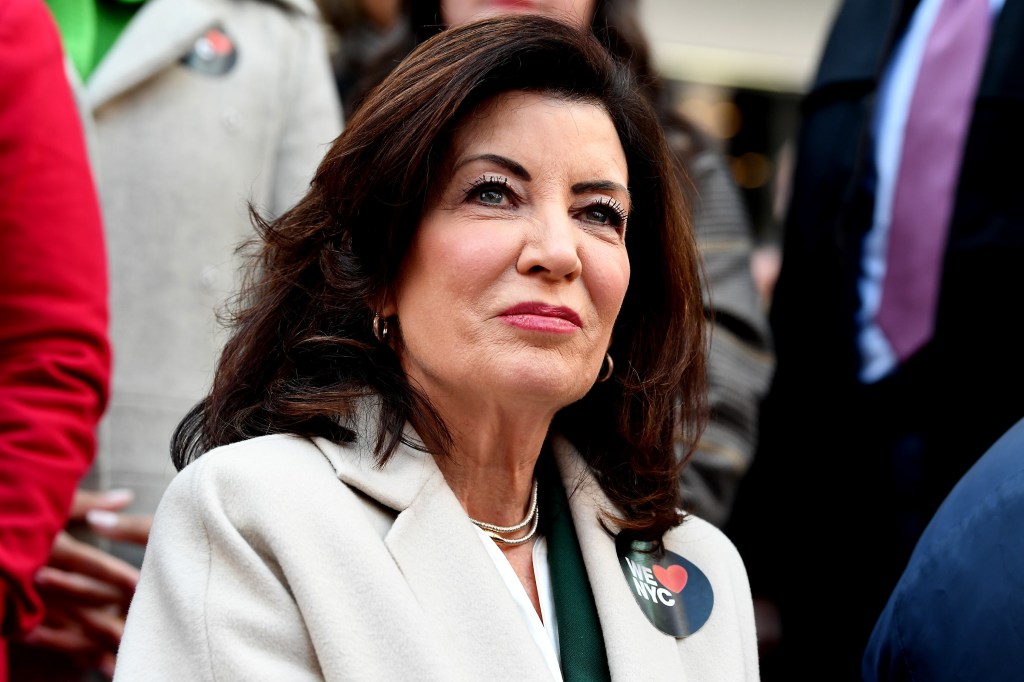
[(671, 590)]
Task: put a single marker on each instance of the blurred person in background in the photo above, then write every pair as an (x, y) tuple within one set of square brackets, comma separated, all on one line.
[(740, 356), (192, 108), (54, 352), (899, 361), (363, 29)]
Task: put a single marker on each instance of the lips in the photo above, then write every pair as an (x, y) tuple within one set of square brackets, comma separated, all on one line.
[(538, 316)]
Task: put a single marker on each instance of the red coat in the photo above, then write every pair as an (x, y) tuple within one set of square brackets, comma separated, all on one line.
[(54, 354)]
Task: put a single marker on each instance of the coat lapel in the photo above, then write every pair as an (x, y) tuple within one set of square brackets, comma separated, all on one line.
[(449, 571), (445, 564), (161, 33), (1004, 76), (636, 649), (859, 42)]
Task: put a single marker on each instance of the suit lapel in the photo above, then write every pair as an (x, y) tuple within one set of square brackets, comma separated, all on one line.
[(636, 649), (161, 33), (857, 49), (1004, 66)]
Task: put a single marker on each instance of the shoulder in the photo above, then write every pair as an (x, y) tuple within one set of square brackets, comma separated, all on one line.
[(986, 503), (727, 643), (257, 481), (283, 454), (708, 547), (961, 572)]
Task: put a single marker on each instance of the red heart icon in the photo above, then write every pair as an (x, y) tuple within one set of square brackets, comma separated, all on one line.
[(674, 577)]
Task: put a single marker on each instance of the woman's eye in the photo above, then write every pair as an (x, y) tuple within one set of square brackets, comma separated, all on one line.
[(599, 215), (492, 191), (604, 213), (490, 196)]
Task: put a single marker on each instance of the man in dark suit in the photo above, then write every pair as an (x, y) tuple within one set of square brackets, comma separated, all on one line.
[(876, 450)]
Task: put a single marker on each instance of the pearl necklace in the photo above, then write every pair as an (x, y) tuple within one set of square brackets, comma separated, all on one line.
[(496, 532)]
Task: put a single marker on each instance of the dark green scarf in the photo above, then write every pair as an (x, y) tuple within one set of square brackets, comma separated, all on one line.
[(583, 655)]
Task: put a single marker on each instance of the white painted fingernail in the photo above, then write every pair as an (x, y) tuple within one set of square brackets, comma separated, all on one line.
[(118, 495), (102, 518)]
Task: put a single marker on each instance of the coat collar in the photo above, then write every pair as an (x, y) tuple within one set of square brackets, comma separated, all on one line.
[(432, 536), (161, 33)]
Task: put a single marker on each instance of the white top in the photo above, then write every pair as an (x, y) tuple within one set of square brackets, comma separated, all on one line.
[(545, 633), (890, 121)]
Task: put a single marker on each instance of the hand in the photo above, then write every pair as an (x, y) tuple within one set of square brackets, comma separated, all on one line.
[(87, 591), (100, 510)]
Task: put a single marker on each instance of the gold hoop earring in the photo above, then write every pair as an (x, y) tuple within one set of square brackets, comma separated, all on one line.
[(607, 373), (380, 328)]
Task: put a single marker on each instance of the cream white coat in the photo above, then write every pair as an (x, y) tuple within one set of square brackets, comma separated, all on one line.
[(281, 558)]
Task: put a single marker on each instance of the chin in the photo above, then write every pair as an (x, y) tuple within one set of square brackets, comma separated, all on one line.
[(535, 383)]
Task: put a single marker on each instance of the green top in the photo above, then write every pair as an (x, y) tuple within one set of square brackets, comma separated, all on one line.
[(89, 28)]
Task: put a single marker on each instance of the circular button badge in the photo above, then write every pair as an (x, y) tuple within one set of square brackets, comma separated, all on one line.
[(673, 593)]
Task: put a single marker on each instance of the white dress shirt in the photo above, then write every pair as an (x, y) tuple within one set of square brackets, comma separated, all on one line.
[(545, 633), (895, 90)]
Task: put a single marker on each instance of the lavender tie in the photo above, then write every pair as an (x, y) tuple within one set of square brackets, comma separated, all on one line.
[(937, 121)]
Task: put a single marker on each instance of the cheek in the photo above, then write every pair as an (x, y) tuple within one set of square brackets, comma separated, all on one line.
[(450, 271), (608, 284)]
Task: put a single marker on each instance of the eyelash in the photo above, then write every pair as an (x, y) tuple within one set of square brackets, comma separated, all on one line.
[(616, 219), (618, 214), (492, 182)]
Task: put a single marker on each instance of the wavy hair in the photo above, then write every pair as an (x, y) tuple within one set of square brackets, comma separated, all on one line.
[(302, 353)]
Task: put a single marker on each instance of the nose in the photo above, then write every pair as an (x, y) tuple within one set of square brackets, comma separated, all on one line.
[(551, 248)]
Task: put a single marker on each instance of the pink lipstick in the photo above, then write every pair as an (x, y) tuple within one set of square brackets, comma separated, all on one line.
[(541, 317)]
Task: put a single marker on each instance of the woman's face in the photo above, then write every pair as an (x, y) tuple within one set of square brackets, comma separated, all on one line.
[(456, 12), (518, 268)]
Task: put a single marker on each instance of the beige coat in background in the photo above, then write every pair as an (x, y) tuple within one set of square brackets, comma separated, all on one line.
[(280, 558), (178, 153)]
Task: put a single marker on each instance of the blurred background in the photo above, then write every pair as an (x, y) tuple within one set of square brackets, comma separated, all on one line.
[(738, 69)]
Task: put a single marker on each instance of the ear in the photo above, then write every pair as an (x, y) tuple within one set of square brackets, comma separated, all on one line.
[(388, 307)]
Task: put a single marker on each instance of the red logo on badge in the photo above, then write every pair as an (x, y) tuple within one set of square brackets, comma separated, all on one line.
[(674, 577), (217, 43), (214, 53)]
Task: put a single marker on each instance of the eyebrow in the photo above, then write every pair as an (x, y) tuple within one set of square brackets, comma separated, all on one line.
[(506, 163), (517, 169), (599, 186)]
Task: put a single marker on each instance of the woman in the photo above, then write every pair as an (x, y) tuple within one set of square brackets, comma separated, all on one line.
[(740, 360), (441, 343)]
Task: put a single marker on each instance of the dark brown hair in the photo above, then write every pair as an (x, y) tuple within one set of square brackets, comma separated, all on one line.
[(303, 352)]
